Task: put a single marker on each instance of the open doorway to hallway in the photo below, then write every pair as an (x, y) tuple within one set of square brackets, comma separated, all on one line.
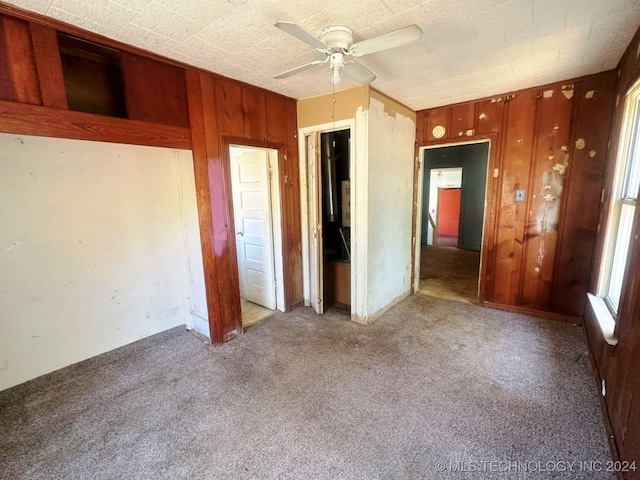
[(257, 223), (453, 209)]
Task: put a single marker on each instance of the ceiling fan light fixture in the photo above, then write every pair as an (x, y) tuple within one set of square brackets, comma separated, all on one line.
[(335, 77), (337, 64), (337, 41)]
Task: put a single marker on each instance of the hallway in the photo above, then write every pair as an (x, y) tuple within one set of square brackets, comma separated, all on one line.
[(450, 273)]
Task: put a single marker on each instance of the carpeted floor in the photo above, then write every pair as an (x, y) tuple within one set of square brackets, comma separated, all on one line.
[(449, 272), (430, 385)]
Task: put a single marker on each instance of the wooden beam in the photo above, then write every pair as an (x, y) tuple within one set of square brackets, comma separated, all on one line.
[(49, 122)]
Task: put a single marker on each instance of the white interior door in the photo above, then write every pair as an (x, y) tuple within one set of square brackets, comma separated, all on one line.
[(315, 224), (253, 224)]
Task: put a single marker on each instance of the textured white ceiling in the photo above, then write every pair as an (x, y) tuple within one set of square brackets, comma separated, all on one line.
[(470, 48)]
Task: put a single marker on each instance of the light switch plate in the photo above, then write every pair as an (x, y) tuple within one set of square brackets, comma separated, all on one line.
[(520, 195)]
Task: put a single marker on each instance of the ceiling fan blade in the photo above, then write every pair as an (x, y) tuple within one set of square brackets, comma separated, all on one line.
[(295, 31), (302, 68), (359, 73), (394, 39)]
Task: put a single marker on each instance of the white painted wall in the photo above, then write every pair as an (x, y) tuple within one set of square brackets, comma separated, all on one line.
[(391, 141), (440, 178), (382, 158), (99, 247)]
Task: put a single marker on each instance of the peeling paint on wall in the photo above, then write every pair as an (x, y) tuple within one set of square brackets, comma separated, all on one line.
[(590, 94), (548, 210), (592, 153), (389, 195), (568, 94), (470, 132), (547, 94), (580, 143), (564, 148), (482, 116)]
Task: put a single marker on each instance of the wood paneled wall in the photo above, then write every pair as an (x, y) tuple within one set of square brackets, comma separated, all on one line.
[(551, 142), (33, 98), (168, 105), (618, 365), (224, 112)]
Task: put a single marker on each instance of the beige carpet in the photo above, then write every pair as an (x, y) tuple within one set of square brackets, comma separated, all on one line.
[(450, 273), (429, 385)]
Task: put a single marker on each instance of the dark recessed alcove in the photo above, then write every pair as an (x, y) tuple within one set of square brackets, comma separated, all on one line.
[(92, 77)]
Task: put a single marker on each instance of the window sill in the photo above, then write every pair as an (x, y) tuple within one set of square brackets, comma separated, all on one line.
[(605, 320)]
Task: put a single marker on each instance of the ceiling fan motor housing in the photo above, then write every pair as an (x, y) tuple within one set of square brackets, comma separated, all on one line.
[(337, 37)]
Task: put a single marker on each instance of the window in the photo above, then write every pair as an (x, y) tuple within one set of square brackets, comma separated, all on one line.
[(623, 203)]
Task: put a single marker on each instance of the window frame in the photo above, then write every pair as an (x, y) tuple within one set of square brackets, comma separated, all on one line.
[(625, 180)]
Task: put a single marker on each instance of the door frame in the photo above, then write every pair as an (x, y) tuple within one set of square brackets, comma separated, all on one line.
[(489, 223), (276, 152), (305, 202)]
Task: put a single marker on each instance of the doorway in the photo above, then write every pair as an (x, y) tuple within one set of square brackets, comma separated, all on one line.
[(257, 225), (453, 211), (327, 247), (336, 219), (444, 202)]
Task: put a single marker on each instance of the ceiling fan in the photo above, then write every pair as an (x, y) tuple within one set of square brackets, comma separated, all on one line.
[(336, 42)]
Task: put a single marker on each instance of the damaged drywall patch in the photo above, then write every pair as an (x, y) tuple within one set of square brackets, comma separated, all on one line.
[(580, 144), (568, 93), (589, 94), (13, 245), (391, 147)]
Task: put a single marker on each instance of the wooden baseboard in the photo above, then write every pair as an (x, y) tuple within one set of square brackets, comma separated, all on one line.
[(558, 317), (613, 445)]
